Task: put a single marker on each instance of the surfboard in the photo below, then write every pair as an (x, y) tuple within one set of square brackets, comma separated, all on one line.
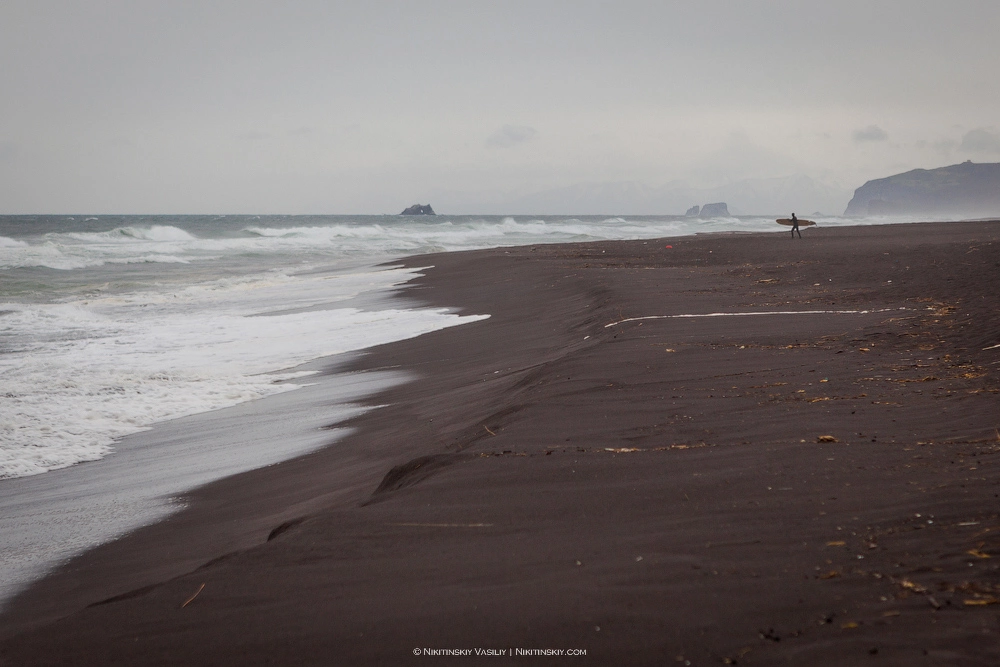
[(788, 222)]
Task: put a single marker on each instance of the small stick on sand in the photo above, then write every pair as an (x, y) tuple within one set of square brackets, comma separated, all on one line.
[(488, 430), (191, 599)]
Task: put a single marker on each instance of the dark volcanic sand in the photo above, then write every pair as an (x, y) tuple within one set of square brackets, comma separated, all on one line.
[(652, 492)]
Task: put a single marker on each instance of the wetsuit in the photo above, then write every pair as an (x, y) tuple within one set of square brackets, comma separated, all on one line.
[(795, 226)]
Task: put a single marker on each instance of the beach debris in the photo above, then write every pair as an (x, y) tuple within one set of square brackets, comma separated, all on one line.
[(850, 625), (910, 586), (981, 601), (832, 574), (836, 543), (622, 450), (681, 446), (191, 599), (733, 661), (978, 554), (891, 613), (769, 634), (488, 430), (826, 438)]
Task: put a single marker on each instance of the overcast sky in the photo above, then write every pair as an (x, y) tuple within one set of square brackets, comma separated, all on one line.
[(367, 107)]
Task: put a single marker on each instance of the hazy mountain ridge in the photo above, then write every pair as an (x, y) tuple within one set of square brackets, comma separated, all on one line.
[(965, 189)]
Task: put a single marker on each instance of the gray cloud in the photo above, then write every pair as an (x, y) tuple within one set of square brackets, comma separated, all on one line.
[(253, 135), (511, 135), (870, 133), (8, 151), (981, 141), (405, 96), (943, 147), (740, 158)]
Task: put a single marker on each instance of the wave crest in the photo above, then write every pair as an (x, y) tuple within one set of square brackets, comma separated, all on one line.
[(155, 233)]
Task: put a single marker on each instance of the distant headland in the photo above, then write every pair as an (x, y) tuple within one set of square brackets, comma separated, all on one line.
[(418, 209), (968, 188)]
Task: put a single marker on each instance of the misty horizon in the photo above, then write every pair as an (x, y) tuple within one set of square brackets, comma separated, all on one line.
[(581, 108)]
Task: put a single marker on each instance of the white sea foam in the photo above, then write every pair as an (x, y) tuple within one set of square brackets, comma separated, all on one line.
[(11, 243), (130, 234), (78, 375), (168, 243)]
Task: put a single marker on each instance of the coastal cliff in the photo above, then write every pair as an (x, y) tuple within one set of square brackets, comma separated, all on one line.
[(964, 189)]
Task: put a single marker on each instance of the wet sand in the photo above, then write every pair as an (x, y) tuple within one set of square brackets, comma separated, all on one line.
[(816, 488)]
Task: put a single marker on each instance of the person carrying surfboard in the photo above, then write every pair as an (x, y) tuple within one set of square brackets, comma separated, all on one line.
[(795, 226)]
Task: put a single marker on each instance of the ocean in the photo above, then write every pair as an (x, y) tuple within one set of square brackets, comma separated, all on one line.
[(147, 343)]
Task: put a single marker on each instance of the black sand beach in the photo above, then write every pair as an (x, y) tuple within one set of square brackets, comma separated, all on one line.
[(818, 488)]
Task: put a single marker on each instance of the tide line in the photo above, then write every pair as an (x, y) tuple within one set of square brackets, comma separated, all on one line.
[(773, 312)]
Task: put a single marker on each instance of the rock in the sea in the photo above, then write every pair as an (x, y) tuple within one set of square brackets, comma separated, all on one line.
[(693, 211), (961, 189), (716, 210), (419, 209)]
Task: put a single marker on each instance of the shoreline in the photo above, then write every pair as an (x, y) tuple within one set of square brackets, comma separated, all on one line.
[(661, 480), (52, 517)]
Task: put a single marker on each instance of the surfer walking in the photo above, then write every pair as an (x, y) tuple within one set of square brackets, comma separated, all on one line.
[(795, 226)]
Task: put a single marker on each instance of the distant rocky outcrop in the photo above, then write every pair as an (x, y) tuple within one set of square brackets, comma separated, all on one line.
[(419, 209), (968, 189), (716, 210), (693, 211)]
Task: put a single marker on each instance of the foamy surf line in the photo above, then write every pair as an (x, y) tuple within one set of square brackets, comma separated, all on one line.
[(47, 519), (81, 374), (754, 313)]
